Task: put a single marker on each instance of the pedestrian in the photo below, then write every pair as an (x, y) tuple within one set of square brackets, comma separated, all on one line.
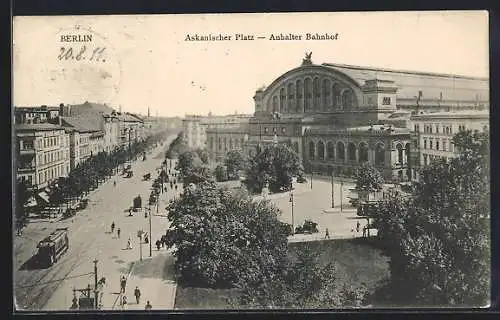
[(163, 240), (327, 234), (129, 244), (146, 239), (158, 244), (114, 183), (124, 302), (137, 294), (112, 227), (357, 226), (123, 284), (364, 232), (118, 232), (148, 306)]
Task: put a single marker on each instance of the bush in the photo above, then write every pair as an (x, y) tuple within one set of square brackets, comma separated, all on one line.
[(221, 173)]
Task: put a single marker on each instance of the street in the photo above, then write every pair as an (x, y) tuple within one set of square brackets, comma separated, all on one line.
[(90, 238)]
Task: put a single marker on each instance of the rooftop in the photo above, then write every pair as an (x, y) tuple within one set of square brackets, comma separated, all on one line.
[(243, 128), (90, 108), (37, 127), (81, 124), (434, 86), (375, 129), (455, 114)]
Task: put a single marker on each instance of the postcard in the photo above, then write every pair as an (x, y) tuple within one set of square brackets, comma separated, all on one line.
[(267, 161)]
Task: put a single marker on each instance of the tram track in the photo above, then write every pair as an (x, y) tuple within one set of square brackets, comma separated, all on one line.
[(34, 288)]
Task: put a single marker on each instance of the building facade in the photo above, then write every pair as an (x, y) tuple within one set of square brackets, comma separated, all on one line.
[(338, 116), (42, 153), (222, 140), (195, 127), (30, 115), (434, 132)]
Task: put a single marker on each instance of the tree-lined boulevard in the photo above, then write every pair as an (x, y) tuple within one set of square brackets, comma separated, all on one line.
[(90, 239)]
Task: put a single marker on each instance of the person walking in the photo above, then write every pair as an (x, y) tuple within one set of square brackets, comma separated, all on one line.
[(364, 232), (118, 232), (158, 244), (129, 244), (146, 239), (148, 306), (137, 294), (112, 227), (327, 234), (123, 284), (357, 226), (124, 302)]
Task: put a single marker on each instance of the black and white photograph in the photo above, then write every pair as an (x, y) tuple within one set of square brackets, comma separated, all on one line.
[(270, 161)]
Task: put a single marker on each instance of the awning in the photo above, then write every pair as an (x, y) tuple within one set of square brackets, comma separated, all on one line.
[(44, 196)]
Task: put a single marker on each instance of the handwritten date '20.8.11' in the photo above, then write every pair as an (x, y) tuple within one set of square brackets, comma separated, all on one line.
[(97, 54)]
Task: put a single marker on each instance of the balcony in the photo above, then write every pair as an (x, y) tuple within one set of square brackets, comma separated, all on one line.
[(27, 151)]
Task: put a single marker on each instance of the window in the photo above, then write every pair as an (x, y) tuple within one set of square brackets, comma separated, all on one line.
[(321, 150), (425, 144), (351, 151), (266, 130), (430, 144), (340, 151), (386, 101), (363, 152), (430, 129), (425, 159), (399, 147), (437, 128), (311, 150), (444, 145), (437, 145), (283, 130), (330, 150), (379, 154)]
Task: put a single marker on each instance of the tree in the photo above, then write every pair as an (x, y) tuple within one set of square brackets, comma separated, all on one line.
[(303, 282), (369, 179), (276, 165), (187, 162), (203, 155), (220, 237), (221, 173), (440, 252), (176, 147), (234, 163), (21, 196)]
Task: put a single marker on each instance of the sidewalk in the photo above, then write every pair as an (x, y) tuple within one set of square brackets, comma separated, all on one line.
[(155, 279)]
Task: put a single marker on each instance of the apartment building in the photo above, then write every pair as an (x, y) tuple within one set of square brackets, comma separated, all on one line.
[(42, 153), (434, 132)]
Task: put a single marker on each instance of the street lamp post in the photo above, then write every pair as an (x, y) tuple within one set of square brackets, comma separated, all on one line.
[(150, 235), (139, 235), (291, 200), (333, 197), (96, 293), (341, 187)]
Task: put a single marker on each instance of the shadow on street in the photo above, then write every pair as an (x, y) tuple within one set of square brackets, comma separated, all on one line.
[(32, 264), (160, 266)]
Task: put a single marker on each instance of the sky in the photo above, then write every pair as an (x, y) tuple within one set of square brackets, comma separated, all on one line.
[(147, 62)]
